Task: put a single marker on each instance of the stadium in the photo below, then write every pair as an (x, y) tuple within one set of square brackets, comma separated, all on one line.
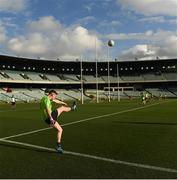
[(28, 78), (110, 135)]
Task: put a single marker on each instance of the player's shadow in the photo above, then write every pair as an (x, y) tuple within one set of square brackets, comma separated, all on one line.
[(26, 148), (145, 123)]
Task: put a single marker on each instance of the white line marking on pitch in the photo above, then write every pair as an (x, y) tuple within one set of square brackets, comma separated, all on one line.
[(131, 164), (16, 110), (82, 120)]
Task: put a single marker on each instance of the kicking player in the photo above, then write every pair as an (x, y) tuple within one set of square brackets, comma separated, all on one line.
[(50, 116)]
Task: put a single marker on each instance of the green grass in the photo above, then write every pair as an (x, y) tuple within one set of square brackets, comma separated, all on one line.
[(145, 136)]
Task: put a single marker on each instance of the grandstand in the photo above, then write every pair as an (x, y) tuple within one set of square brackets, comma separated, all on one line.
[(26, 78)]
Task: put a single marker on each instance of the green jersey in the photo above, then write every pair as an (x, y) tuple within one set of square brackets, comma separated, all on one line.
[(45, 102)]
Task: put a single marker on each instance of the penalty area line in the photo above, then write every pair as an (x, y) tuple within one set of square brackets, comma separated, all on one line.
[(93, 157)]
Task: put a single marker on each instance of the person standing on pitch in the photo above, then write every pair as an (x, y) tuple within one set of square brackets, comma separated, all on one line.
[(13, 101), (50, 116)]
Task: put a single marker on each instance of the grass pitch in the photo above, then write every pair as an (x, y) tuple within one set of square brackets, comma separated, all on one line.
[(124, 132)]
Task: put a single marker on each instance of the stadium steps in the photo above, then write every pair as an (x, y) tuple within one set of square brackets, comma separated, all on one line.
[(174, 93), (151, 93), (14, 75), (61, 76), (4, 75), (79, 78), (3, 98), (9, 96), (69, 77), (24, 76), (72, 97), (158, 93), (91, 96), (35, 98), (114, 95), (44, 77), (53, 77), (133, 94), (126, 94), (34, 76)]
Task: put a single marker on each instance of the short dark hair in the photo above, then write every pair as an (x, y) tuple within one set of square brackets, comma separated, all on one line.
[(53, 91)]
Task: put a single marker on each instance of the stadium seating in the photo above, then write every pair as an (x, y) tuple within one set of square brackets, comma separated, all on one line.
[(133, 93), (170, 76), (20, 72), (52, 77), (132, 78), (152, 77), (34, 76), (90, 78), (14, 75), (160, 93), (4, 76), (70, 78), (112, 79)]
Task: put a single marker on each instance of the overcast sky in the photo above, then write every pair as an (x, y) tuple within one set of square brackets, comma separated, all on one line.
[(68, 29)]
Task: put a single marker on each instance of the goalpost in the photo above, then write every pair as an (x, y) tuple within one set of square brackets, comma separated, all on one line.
[(119, 90)]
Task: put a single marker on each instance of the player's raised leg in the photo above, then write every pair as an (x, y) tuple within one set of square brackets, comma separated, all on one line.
[(63, 109), (66, 108)]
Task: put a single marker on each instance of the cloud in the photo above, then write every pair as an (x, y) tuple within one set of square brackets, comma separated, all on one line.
[(150, 35), (13, 5), (154, 43), (150, 7), (161, 43), (146, 51), (33, 44), (48, 38), (8, 22), (139, 51), (131, 36), (157, 19), (169, 47), (44, 24)]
